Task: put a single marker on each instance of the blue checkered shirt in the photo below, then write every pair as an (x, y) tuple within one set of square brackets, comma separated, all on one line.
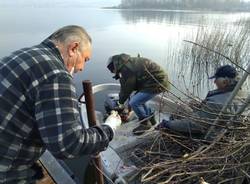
[(39, 110)]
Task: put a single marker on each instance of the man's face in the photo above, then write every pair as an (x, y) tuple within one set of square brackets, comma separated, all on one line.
[(76, 58), (221, 83), (81, 58)]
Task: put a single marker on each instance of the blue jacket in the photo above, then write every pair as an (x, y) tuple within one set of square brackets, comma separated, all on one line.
[(201, 118)]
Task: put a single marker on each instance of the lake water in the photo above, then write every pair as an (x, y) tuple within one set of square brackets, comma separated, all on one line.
[(157, 35)]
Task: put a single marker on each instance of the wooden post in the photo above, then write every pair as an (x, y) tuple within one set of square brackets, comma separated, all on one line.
[(90, 106)]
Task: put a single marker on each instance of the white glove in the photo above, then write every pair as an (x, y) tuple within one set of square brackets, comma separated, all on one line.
[(113, 120)]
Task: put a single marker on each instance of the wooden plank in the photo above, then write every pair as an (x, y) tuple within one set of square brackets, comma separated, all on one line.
[(47, 178)]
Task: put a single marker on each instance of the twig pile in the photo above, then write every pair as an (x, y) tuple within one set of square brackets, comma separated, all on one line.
[(176, 158)]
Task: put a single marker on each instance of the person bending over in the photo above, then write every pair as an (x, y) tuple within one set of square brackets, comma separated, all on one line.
[(145, 78), (39, 107)]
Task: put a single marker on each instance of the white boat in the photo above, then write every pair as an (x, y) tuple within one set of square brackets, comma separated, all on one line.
[(115, 159), (118, 165)]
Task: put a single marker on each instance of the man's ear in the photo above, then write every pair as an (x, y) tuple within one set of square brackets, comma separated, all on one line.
[(73, 48)]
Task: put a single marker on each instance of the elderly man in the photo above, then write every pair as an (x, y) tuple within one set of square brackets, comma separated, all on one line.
[(198, 122), (39, 107), (144, 77)]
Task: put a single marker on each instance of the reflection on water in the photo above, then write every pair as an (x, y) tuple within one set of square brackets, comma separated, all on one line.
[(133, 16), (179, 17), (157, 35), (190, 65)]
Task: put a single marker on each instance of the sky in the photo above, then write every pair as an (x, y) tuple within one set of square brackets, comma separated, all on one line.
[(44, 3), (100, 3), (85, 3)]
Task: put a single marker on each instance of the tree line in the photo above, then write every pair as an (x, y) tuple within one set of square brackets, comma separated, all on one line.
[(186, 4)]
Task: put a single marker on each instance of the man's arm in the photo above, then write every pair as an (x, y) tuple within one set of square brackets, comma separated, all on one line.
[(59, 124)]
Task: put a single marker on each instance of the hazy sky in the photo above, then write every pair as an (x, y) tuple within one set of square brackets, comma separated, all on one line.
[(102, 2), (85, 3)]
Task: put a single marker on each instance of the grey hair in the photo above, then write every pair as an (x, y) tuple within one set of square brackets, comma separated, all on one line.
[(72, 33)]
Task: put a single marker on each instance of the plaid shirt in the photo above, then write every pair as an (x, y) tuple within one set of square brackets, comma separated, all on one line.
[(39, 111)]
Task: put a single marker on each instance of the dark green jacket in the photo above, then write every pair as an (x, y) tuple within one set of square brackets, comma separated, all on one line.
[(139, 74)]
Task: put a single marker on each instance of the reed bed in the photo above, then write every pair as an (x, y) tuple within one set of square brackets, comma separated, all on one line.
[(211, 47)]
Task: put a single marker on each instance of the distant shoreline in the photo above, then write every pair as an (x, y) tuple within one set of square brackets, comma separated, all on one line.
[(175, 10)]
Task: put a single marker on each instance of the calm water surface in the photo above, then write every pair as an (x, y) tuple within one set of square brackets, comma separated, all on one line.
[(153, 34)]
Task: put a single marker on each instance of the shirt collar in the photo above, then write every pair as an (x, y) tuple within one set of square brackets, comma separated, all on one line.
[(47, 42), (226, 90)]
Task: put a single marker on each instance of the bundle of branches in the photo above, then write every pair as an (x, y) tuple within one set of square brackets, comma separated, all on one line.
[(172, 157), (176, 158)]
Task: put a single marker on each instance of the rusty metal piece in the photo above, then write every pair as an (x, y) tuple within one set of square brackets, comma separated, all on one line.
[(90, 107)]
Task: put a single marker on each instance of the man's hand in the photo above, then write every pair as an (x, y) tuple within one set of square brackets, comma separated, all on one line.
[(113, 120), (119, 107), (162, 125)]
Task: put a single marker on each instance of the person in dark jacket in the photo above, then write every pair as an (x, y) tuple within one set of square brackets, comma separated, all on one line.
[(225, 79), (145, 78), (39, 107)]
